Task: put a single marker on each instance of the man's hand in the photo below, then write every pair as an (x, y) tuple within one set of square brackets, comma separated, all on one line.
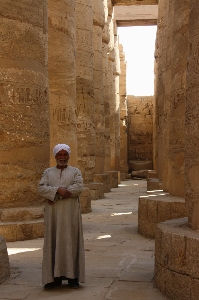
[(62, 191)]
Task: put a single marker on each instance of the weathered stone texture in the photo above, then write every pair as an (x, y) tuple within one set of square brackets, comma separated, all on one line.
[(21, 214), (20, 231), (98, 25), (178, 87), (4, 261), (85, 89), (140, 127), (106, 95), (62, 75), (85, 201), (134, 2), (160, 77), (191, 120), (96, 190), (176, 260), (158, 208), (24, 150), (166, 92), (154, 184), (105, 179), (115, 161), (123, 116)]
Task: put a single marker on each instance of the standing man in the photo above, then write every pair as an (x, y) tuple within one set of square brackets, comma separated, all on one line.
[(63, 252)]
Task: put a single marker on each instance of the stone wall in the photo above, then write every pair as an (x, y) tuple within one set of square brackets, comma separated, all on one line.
[(140, 127)]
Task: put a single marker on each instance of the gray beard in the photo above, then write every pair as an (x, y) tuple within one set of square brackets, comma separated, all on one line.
[(62, 163)]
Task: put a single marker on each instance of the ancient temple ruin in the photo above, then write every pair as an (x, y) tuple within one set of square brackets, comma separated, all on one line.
[(63, 80)]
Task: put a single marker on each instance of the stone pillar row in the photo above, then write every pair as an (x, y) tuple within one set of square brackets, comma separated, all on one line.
[(59, 83), (176, 152)]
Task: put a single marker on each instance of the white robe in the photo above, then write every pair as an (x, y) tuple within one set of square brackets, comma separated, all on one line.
[(63, 251)]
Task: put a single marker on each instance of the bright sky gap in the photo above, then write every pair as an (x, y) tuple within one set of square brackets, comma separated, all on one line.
[(139, 47)]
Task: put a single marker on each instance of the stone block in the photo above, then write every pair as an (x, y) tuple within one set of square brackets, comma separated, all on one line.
[(146, 228), (152, 174), (154, 184), (152, 211), (105, 179), (114, 178), (9, 231), (128, 176), (158, 245), (164, 211), (96, 190), (123, 176), (177, 256), (178, 209), (139, 174), (178, 286), (22, 214), (158, 208), (24, 231), (85, 201), (38, 230), (192, 256), (4, 261), (143, 208), (138, 165), (21, 231), (179, 259), (165, 249), (194, 289), (160, 278)]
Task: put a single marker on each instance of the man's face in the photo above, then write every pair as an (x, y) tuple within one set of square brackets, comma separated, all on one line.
[(62, 158)]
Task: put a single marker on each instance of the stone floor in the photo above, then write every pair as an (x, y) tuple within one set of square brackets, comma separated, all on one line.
[(119, 261)]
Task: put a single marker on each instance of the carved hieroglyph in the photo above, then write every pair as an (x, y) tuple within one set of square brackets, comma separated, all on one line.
[(24, 147), (62, 75), (85, 89)]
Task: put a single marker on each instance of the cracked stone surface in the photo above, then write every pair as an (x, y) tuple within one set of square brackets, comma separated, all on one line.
[(119, 261)]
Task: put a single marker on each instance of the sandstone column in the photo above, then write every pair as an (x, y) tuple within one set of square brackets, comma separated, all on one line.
[(98, 25), (111, 62), (85, 89), (178, 95), (105, 42), (168, 43), (123, 117), (160, 77), (24, 116), (116, 75), (62, 75), (192, 120)]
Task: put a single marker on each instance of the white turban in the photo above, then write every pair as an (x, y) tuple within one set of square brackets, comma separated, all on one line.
[(60, 147)]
